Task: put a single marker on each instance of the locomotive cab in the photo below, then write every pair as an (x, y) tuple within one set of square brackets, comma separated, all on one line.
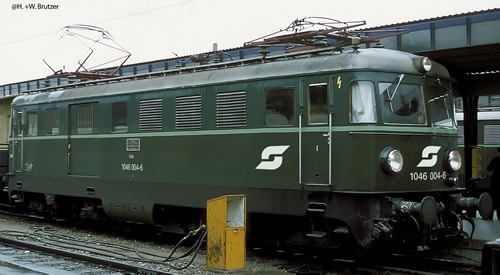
[(405, 124)]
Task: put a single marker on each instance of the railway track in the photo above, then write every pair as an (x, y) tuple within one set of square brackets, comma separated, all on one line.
[(394, 264), (424, 265), (127, 255), (132, 260), (109, 255), (310, 263), (23, 260), (107, 263)]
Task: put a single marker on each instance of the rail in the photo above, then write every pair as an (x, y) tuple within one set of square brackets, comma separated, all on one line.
[(80, 256)]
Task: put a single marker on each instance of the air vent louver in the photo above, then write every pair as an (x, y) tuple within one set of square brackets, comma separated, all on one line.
[(231, 109), (151, 114), (188, 112)]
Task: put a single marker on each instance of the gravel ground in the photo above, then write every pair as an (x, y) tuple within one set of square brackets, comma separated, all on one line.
[(37, 227)]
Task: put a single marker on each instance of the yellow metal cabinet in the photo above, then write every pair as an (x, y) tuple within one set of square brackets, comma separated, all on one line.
[(226, 222), (477, 162)]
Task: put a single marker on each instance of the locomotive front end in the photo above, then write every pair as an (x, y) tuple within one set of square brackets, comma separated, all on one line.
[(419, 161)]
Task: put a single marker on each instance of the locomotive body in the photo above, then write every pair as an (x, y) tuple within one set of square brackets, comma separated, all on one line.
[(324, 145)]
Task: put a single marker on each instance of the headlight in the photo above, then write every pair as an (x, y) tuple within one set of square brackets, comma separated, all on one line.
[(423, 64), (391, 160), (454, 161), (426, 64)]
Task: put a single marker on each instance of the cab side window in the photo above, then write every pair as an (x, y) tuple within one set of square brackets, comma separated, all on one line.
[(363, 108), (32, 124), (19, 124), (280, 107)]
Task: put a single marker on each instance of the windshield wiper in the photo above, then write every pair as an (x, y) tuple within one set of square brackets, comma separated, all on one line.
[(444, 95), (389, 97)]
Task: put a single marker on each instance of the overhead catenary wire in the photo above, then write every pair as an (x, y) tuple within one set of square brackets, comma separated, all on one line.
[(99, 22)]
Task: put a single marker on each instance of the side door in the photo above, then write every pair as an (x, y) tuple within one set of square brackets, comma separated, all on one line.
[(315, 123), (83, 156)]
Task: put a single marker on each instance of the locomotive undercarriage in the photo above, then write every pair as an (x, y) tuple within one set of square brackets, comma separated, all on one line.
[(328, 220), (405, 221), (57, 207), (420, 225), (73, 209)]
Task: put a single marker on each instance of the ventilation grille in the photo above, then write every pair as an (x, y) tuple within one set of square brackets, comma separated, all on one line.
[(188, 112), (151, 114), (460, 134), (491, 134), (231, 109)]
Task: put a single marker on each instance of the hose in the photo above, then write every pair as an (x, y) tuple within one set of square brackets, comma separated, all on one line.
[(191, 233), (471, 221), (199, 242), (461, 226)]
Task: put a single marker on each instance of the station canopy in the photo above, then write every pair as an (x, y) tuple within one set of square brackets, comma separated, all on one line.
[(468, 45)]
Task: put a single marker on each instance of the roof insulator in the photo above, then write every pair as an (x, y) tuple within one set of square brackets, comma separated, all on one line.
[(355, 42), (203, 59), (264, 51), (320, 41)]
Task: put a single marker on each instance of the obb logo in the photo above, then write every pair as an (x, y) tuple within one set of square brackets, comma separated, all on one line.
[(270, 163), (429, 156)]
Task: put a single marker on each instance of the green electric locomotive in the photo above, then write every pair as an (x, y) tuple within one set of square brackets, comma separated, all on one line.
[(327, 146)]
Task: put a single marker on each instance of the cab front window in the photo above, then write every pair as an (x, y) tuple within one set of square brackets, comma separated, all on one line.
[(402, 103)]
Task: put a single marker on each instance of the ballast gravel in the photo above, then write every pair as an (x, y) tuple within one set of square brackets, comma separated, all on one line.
[(120, 245)]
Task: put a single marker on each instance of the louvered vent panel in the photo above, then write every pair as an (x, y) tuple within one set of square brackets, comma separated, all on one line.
[(188, 112), (491, 134), (231, 109), (151, 114), (460, 135)]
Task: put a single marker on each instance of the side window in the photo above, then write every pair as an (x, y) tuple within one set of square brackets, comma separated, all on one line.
[(85, 122), (52, 116), (32, 124), (119, 117), (318, 111), (363, 107), (19, 124), (280, 107)]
